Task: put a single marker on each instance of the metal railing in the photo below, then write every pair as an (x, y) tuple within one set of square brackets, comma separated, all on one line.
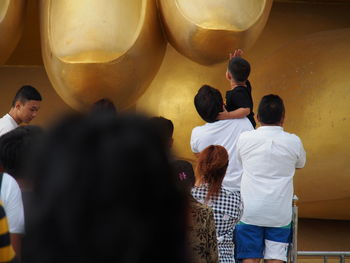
[(293, 249), (326, 254)]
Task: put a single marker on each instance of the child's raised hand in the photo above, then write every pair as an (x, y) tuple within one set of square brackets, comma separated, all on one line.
[(237, 53)]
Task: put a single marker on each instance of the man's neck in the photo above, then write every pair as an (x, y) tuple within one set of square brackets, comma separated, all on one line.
[(14, 116), (271, 125), (235, 84)]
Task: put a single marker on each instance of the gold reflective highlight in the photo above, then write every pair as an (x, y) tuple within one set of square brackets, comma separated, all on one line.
[(101, 48), (11, 24), (95, 30), (207, 31)]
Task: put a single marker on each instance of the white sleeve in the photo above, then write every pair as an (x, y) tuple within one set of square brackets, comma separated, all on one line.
[(193, 142), (5, 129), (11, 197), (301, 156)]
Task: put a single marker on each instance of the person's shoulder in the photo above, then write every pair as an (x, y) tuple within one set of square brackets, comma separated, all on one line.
[(243, 124), (249, 133), (8, 182), (7, 178), (247, 137), (199, 192), (3, 119), (198, 188), (7, 123), (291, 136), (208, 126), (199, 129)]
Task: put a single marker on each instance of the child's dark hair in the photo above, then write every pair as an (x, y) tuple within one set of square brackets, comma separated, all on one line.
[(106, 192), (239, 68), (211, 168)]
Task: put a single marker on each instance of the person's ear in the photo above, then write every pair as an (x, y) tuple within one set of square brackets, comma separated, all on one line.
[(228, 76), (18, 105)]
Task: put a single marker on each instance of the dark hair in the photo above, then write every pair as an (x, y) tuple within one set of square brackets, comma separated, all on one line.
[(271, 109), (26, 93), (208, 103), (184, 172), (103, 105), (239, 68), (15, 146), (164, 127), (104, 192), (211, 168)]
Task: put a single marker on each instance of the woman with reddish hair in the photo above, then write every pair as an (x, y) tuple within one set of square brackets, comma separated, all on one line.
[(227, 206)]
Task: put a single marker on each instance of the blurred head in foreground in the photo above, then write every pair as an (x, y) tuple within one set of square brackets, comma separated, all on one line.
[(105, 192), (165, 128), (102, 106)]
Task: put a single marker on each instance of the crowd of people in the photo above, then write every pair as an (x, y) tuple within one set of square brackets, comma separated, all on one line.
[(104, 186)]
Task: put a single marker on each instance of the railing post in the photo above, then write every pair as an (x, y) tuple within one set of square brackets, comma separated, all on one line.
[(294, 252)]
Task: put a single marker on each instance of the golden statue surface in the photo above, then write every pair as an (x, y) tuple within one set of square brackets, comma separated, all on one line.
[(11, 23), (153, 56), (101, 48)]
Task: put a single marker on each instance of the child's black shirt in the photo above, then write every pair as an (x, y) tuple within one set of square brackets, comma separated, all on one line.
[(241, 97)]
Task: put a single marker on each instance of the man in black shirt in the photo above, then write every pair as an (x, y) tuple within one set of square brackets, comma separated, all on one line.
[(239, 102)]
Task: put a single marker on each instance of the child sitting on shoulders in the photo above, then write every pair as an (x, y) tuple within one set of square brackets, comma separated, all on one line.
[(239, 101)]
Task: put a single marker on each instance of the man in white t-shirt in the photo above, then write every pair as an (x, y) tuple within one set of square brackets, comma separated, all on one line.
[(11, 198), (24, 108), (269, 157), (209, 104)]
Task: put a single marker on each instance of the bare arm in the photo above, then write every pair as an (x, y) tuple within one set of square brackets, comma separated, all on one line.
[(236, 114), (16, 241)]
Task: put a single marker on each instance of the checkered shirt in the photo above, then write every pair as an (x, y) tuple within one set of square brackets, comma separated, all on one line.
[(227, 208)]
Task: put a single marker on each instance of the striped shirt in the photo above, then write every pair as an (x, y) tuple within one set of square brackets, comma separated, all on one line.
[(7, 253)]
